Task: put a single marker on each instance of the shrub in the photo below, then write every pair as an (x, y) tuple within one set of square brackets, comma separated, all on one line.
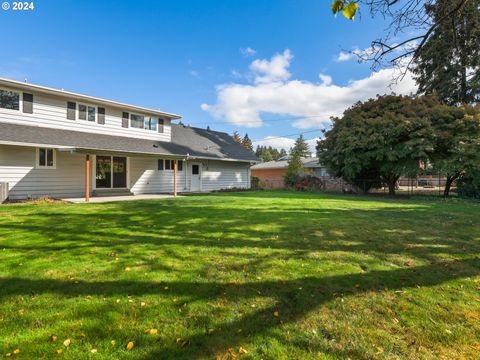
[(468, 186), (308, 183), (255, 182)]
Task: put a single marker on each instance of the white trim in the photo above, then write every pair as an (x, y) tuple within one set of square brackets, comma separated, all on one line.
[(73, 95), (37, 158)]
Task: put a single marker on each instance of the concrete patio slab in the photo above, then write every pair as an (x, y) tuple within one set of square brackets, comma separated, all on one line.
[(104, 199)]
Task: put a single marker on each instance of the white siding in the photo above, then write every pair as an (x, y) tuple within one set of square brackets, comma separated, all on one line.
[(17, 167), (217, 175), (50, 111), (145, 178)]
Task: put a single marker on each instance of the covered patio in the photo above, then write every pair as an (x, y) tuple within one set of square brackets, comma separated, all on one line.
[(105, 199)]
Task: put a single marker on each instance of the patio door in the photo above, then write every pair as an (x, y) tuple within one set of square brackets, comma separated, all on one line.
[(111, 172)]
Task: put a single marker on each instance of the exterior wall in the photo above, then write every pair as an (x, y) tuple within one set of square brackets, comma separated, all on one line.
[(218, 175), (51, 111), (145, 178), (67, 179), (17, 167), (270, 178), (215, 175)]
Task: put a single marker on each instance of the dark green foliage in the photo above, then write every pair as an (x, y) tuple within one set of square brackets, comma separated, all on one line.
[(301, 147), (449, 62), (457, 142), (255, 182), (294, 169), (269, 153), (379, 140), (247, 143), (469, 184)]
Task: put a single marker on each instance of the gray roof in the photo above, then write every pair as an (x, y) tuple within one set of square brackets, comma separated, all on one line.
[(194, 142), (310, 162)]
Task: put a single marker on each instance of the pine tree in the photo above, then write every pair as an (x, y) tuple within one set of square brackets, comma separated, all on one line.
[(294, 169), (247, 143), (449, 62), (282, 154), (300, 147), (236, 137)]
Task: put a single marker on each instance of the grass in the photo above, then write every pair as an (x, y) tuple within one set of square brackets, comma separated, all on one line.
[(260, 275)]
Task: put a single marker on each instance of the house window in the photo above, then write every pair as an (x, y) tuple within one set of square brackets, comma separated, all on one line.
[(151, 123), (9, 100), (169, 164), (144, 122), (87, 112), (137, 121), (46, 158)]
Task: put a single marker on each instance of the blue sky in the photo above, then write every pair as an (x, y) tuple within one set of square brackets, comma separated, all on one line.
[(178, 55)]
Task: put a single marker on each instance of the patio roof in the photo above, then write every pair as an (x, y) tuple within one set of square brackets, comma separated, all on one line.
[(187, 142)]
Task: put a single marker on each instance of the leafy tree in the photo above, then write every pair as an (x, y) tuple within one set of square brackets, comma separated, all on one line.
[(236, 137), (300, 147), (247, 143), (282, 153), (294, 169), (448, 63), (457, 142), (383, 138)]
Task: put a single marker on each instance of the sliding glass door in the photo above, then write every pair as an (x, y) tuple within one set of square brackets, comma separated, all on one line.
[(111, 172)]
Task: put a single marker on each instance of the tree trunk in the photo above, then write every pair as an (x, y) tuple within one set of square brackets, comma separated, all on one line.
[(391, 187), (448, 185)]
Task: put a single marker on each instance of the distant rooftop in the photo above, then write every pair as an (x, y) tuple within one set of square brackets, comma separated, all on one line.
[(309, 162)]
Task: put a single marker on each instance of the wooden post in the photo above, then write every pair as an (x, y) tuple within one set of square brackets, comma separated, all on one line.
[(87, 178), (174, 178)]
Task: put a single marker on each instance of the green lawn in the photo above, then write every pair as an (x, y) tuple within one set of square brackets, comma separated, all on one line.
[(261, 275)]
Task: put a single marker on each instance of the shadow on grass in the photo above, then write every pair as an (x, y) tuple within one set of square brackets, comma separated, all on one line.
[(290, 297)]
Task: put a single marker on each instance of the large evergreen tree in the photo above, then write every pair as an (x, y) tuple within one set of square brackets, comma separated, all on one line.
[(448, 63), (300, 147), (294, 169), (247, 143)]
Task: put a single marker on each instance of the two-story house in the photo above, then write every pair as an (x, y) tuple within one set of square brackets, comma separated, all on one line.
[(62, 144)]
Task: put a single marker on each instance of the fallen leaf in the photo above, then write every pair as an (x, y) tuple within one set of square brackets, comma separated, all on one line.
[(67, 342), (472, 316), (16, 351), (54, 338), (152, 331), (130, 345), (114, 342), (166, 287), (241, 350), (127, 269), (275, 314), (59, 351), (142, 304), (8, 354), (448, 331), (118, 300), (93, 351)]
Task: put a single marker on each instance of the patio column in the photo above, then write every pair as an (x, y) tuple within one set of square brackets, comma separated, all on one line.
[(87, 178), (174, 178)]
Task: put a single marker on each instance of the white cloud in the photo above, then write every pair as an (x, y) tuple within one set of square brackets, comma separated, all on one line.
[(344, 56), (272, 91), (273, 70), (248, 51), (284, 143), (236, 74)]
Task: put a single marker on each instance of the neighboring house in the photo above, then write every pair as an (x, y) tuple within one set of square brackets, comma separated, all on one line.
[(271, 173), (62, 144)]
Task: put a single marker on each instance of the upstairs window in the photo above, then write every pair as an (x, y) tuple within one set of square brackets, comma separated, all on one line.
[(137, 121), (144, 122), (87, 112), (9, 100), (46, 158)]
